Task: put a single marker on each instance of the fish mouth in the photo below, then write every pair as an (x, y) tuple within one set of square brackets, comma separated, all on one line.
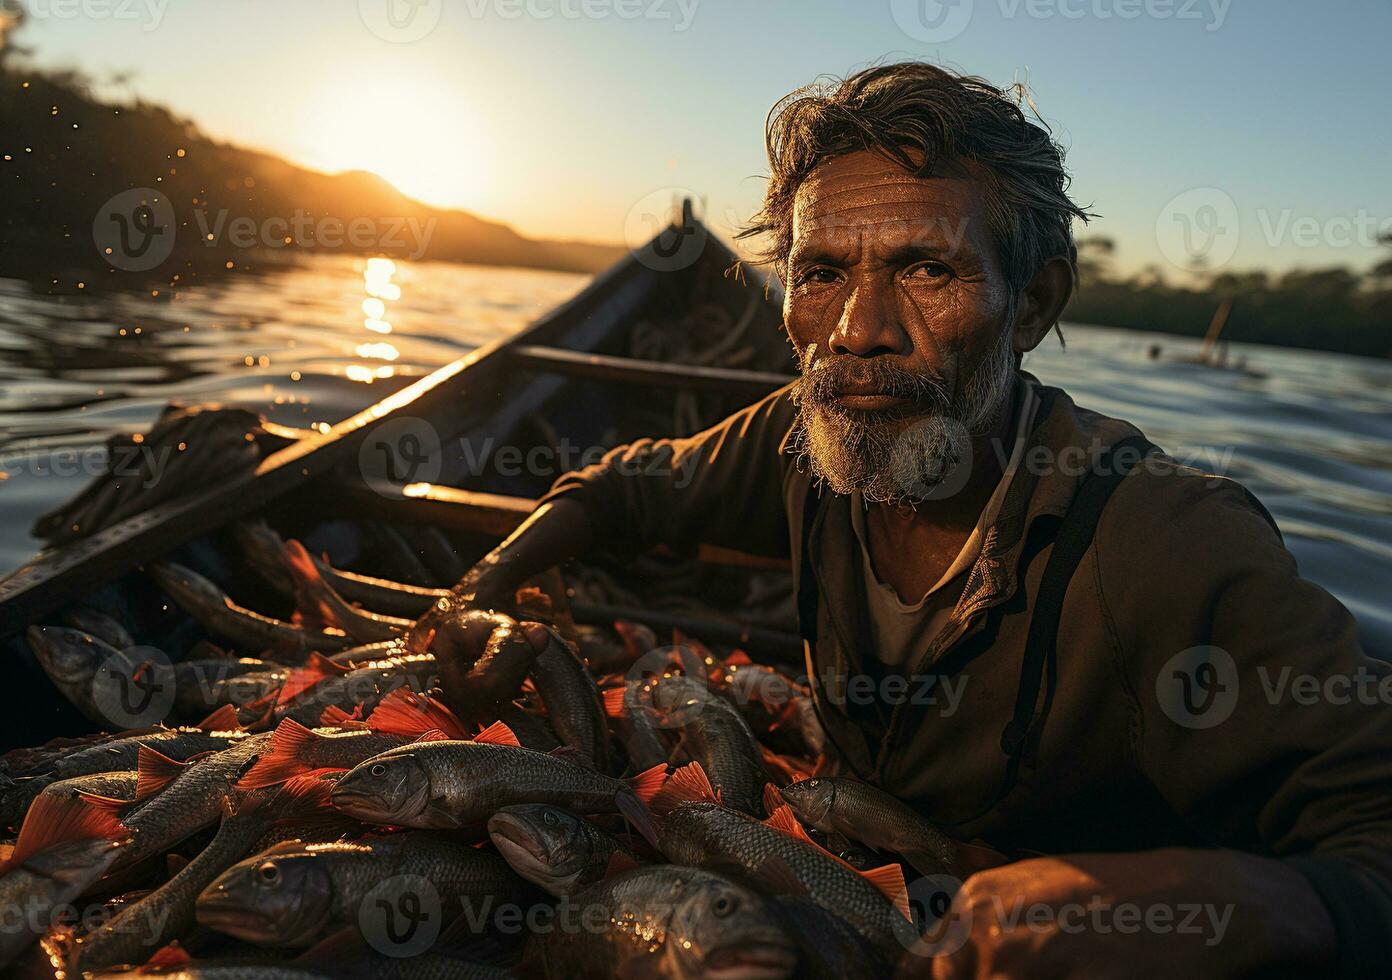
[(505, 829), (222, 912), (750, 960), (366, 804)]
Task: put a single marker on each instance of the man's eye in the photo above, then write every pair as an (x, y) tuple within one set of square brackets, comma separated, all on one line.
[(817, 274), (928, 271)]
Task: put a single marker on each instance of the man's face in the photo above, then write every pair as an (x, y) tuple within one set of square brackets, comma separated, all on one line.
[(896, 305)]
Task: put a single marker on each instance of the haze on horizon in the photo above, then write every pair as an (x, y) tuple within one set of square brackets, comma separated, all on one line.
[(559, 124)]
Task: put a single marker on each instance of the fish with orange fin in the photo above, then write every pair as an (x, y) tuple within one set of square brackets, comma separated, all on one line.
[(711, 731), (64, 846), (859, 811), (121, 754), (239, 626), (453, 783), (330, 685), (166, 913), (322, 607), (402, 717), (177, 799), (696, 829)]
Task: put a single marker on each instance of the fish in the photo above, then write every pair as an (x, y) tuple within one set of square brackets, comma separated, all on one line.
[(293, 894), (324, 685), (120, 754), (449, 783), (264, 549), (368, 652), (243, 628), (204, 685), (318, 601), (71, 659), (167, 912), (713, 733), (634, 720), (177, 799), (554, 848), (668, 921), (696, 830), (86, 619), (574, 706), (63, 848), (119, 785), (295, 749), (829, 948), (859, 811)]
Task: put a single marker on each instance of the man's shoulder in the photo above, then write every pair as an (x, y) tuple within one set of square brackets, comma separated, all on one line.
[(1177, 497)]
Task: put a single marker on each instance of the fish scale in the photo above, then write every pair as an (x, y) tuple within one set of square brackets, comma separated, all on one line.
[(192, 801), (572, 700), (662, 921), (470, 781), (322, 886), (710, 835), (714, 734), (364, 685)]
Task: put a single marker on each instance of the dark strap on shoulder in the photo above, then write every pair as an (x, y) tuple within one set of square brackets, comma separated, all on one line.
[(1071, 541)]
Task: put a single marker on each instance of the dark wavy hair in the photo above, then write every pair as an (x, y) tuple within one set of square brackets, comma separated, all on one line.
[(918, 114)]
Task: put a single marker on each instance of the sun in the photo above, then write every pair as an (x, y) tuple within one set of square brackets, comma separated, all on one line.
[(425, 143)]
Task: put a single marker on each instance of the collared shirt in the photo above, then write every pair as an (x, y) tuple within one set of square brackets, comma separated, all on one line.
[(898, 629)]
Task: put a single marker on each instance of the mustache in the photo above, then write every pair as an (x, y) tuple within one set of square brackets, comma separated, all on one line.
[(823, 380)]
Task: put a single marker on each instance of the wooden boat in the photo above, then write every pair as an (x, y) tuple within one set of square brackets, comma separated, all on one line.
[(427, 455)]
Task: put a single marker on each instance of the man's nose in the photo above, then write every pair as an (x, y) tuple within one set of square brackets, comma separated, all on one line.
[(869, 325)]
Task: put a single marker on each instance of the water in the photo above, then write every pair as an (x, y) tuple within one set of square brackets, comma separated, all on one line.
[(1311, 436)]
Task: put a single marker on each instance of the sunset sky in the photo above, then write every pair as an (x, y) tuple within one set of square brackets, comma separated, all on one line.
[(529, 112)]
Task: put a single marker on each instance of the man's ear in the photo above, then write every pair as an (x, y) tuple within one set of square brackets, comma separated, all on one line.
[(1042, 303)]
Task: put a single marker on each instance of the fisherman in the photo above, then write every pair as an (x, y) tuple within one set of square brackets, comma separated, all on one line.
[(1022, 618)]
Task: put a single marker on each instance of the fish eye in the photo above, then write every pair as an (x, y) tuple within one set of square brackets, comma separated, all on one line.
[(550, 818), (723, 905), (378, 770), (268, 873)]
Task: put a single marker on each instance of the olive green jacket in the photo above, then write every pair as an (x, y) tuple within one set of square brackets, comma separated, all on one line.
[(1277, 742)]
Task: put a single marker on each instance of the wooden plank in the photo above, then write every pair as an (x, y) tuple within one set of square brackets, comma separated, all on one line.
[(631, 370), (496, 515)]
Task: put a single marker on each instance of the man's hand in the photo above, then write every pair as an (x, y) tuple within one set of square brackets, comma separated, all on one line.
[(554, 532), (1169, 913)]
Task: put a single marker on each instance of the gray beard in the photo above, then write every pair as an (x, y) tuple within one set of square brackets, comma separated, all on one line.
[(926, 458)]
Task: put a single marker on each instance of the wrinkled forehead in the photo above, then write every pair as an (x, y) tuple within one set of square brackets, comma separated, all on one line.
[(865, 191)]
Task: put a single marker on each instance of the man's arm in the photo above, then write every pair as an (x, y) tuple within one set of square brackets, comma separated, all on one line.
[(722, 486), (1280, 754)]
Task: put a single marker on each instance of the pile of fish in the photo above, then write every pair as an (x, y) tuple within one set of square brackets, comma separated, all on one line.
[(395, 784)]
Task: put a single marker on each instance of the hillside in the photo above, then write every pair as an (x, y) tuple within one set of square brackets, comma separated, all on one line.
[(64, 154)]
